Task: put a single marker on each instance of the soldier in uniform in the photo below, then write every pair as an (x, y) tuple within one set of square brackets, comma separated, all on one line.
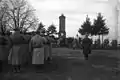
[(86, 44)]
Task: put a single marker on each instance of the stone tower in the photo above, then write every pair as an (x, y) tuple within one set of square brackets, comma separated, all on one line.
[(62, 32)]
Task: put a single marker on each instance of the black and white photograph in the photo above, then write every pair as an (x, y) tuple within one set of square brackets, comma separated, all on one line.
[(59, 39)]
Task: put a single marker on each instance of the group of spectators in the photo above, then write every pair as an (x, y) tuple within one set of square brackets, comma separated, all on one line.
[(21, 49)]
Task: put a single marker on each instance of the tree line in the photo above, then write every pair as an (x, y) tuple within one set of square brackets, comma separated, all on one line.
[(19, 14), (98, 27)]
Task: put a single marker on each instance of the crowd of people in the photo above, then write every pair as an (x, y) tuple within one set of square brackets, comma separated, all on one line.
[(21, 49)]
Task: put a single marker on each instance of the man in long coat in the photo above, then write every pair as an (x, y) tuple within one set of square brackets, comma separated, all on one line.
[(86, 44), (37, 49)]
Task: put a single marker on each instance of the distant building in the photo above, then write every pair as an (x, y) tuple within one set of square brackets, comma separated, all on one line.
[(62, 31)]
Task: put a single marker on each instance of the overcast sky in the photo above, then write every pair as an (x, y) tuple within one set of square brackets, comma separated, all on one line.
[(75, 11)]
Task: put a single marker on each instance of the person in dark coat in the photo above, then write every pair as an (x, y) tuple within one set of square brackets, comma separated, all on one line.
[(86, 44), (24, 51), (3, 50)]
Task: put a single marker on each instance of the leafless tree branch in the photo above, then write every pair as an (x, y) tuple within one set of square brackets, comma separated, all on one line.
[(19, 15)]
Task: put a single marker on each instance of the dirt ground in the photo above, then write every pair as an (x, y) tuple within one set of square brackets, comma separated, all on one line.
[(68, 64)]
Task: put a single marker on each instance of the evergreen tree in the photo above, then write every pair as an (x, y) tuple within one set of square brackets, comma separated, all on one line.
[(99, 27), (41, 27), (86, 27), (52, 30)]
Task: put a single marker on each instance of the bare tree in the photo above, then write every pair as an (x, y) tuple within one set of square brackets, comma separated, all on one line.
[(3, 17), (21, 15)]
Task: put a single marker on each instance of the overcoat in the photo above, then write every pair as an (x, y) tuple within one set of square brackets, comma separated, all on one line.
[(37, 48), (25, 56), (86, 44), (4, 49)]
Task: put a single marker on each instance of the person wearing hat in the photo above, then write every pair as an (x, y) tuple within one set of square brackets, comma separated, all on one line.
[(86, 44), (37, 49)]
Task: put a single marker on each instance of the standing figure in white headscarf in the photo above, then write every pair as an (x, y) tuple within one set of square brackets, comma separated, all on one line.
[(37, 49)]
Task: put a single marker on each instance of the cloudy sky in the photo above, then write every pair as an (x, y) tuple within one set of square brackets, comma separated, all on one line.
[(75, 11)]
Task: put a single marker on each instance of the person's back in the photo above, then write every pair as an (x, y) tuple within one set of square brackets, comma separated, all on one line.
[(37, 41), (2, 50), (37, 50), (24, 50), (17, 40)]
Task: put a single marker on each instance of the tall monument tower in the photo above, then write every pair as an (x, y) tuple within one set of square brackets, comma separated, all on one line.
[(62, 32)]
